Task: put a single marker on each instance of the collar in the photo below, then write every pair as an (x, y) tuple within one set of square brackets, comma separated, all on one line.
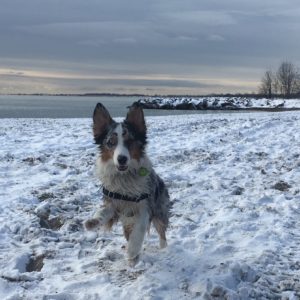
[(117, 196)]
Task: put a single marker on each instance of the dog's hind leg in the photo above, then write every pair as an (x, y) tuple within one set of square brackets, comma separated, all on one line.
[(136, 237), (161, 230)]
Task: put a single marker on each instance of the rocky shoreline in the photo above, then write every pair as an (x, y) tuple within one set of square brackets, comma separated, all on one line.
[(217, 103)]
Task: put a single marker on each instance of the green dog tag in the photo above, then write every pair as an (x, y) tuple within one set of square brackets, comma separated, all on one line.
[(143, 171)]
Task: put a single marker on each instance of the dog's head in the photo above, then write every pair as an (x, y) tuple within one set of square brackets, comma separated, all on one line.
[(121, 144)]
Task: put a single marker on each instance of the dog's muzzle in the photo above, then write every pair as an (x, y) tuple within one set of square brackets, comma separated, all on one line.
[(122, 163)]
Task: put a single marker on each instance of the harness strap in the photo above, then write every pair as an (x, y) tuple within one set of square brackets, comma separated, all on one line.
[(118, 196)]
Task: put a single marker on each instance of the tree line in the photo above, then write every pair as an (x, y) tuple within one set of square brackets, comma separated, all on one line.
[(285, 82)]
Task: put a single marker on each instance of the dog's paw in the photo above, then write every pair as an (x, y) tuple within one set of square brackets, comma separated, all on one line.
[(92, 224), (163, 243), (133, 261)]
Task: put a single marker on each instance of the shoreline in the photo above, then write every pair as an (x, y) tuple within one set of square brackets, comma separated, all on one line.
[(219, 103), (263, 109), (82, 107)]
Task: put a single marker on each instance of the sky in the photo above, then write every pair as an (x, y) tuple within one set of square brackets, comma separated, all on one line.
[(140, 46)]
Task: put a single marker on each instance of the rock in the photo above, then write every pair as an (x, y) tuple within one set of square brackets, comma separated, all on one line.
[(43, 210), (228, 105), (54, 223), (45, 196), (185, 106), (218, 291), (166, 106), (201, 105), (238, 191), (281, 186), (280, 105), (35, 264)]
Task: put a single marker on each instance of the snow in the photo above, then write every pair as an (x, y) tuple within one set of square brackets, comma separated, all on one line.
[(218, 103), (234, 234)]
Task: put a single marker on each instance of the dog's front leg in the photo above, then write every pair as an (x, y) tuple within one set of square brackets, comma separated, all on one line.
[(136, 237), (100, 218)]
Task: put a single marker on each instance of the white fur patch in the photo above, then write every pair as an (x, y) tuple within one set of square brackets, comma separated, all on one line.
[(120, 149), (136, 238)]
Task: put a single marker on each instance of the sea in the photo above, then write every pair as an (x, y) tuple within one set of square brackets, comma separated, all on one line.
[(34, 106)]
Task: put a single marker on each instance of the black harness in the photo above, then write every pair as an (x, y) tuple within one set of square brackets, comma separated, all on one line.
[(117, 196)]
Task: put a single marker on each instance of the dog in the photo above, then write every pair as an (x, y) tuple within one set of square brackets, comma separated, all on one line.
[(132, 192)]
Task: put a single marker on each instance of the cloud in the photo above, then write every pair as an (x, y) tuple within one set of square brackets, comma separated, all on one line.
[(103, 31), (173, 37), (187, 38), (216, 38), (92, 42), (125, 41), (20, 81), (202, 17)]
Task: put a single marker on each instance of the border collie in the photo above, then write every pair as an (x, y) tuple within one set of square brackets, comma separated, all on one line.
[(132, 192)]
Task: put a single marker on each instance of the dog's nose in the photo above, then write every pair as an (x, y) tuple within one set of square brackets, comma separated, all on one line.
[(122, 160)]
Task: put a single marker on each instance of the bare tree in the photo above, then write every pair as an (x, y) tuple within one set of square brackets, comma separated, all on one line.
[(276, 86), (288, 79), (267, 84), (285, 82), (297, 85)]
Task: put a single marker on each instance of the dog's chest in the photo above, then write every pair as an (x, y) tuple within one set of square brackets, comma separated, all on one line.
[(129, 212), (130, 183)]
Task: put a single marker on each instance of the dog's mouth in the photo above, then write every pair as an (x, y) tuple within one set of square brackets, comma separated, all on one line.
[(122, 168)]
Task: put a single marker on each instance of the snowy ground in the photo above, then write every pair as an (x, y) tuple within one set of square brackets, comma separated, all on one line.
[(234, 233)]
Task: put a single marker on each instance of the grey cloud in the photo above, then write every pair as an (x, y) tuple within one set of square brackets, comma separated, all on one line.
[(206, 38), (202, 17), (125, 40), (158, 83), (184, 38), (116, 81), (215, 38)]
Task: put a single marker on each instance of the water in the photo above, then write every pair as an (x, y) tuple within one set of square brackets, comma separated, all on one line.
[(59, 106), (72, 107)]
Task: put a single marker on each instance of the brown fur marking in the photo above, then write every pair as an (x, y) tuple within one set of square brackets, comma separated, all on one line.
[(110, 223), (160, 228), (135, 151), (107, 154), (127, 231), (91, 224)]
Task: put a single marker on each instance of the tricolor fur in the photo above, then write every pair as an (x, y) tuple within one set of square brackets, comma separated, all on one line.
[(122, 157)]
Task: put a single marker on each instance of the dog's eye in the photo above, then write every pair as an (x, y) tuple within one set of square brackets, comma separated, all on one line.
[(112, 142), (125, 132)]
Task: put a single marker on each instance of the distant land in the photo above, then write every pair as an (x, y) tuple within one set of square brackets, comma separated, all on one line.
[(78, 95), (252, 95)]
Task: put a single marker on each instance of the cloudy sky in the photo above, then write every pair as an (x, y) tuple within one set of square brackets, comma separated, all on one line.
[(142, 46)]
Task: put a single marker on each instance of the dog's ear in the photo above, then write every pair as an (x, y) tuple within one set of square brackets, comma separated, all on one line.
[(102, 120), (135, 117)]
